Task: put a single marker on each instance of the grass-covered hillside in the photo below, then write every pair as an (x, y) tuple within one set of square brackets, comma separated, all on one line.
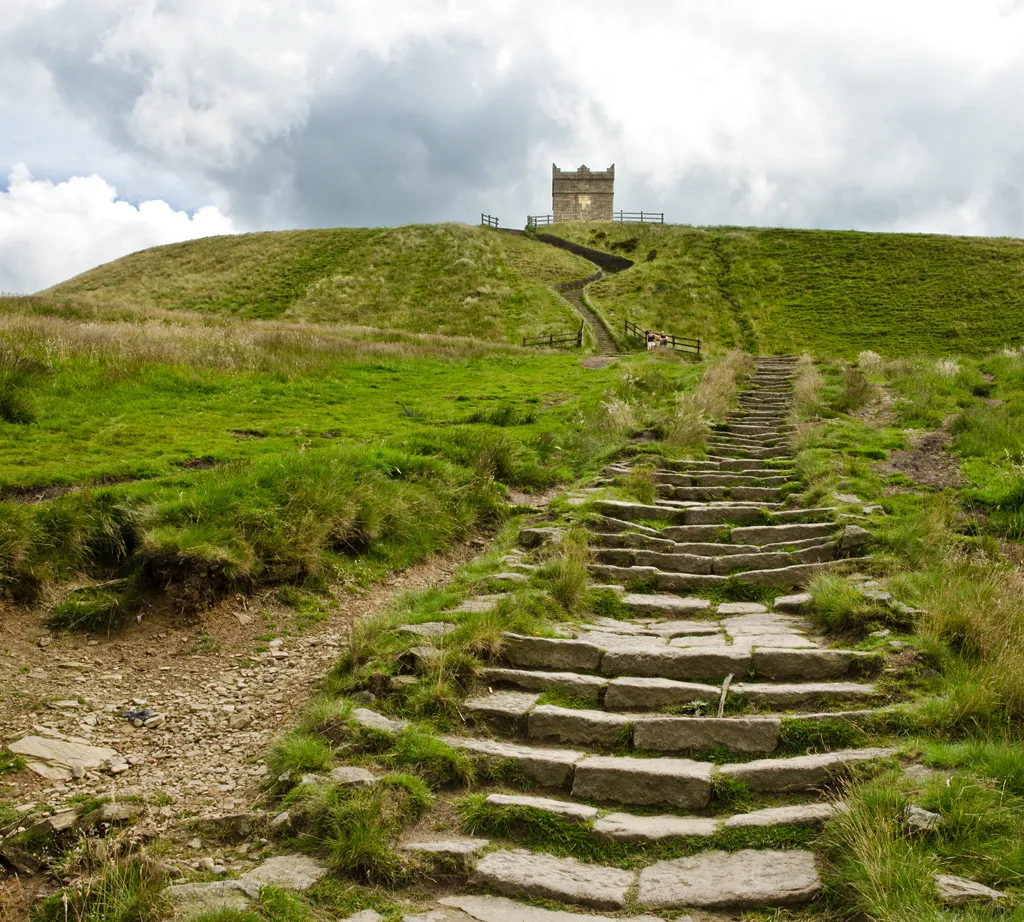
[(449, 279), (826, 292)]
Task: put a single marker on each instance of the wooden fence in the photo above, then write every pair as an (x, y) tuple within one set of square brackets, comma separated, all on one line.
[(557, 339), (678, 343), (641, 217), (488, 220), (536, 220)]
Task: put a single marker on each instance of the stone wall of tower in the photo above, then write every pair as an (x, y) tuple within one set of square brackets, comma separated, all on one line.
[(582, 195)]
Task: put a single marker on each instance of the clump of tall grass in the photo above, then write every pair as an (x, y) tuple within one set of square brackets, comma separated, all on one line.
[(565, 575), (716, 395), (871, 363), (356, 829), (617, 417), (857, 390), (807, 387), (125, 892), (18, 372)]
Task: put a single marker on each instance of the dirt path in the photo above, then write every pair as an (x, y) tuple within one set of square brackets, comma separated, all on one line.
[(228, 686)]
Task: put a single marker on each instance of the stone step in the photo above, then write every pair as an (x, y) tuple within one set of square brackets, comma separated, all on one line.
[(629, 827), (522, 874), (767, 534), (477, 908), (752, 479), (747, 879), (605, 653), (645, 693), (705, 494), (741, 558), (787, 577), (732, 451)]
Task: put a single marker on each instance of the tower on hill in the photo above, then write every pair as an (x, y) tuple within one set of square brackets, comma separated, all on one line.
[(582, 195)]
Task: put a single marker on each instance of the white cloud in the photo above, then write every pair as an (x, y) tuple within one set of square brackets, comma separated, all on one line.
[(52, 231)]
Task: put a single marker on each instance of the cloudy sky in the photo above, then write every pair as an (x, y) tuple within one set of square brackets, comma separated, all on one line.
[(128, 123)]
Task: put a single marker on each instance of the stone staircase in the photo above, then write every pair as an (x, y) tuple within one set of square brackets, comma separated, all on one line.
[(642, 728)]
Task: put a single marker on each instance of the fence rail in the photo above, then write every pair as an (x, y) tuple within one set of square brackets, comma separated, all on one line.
[(557, 339), (488, 220), (640, 217), (678, 343), (536, 220)]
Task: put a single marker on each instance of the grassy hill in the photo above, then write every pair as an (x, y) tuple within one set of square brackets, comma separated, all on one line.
[(827, 292), (449, 279)]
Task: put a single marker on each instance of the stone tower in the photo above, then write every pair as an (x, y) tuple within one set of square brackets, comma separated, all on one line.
[(582, 195)]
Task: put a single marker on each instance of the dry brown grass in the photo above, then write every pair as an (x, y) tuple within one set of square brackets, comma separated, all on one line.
[(714, 398), (134, 337), (807, 388)]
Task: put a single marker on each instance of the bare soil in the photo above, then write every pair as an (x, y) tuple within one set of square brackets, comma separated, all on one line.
[(927, 462)]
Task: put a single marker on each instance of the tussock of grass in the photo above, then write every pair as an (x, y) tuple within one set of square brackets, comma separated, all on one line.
[(355, 829), (124, 892), (715, 396), (299, 752)]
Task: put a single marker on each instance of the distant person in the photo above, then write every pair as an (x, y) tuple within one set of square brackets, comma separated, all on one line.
[(652, 340), (664, 340)]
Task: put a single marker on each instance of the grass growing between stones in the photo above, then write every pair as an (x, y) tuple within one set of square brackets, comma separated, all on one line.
[(543, 832)]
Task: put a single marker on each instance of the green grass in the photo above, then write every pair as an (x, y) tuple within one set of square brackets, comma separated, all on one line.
[(127, 892), (826, 292), (448, 279)]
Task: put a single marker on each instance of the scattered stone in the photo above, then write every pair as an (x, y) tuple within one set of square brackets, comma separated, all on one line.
[(918, 819), (289, 872), (367, 915), (745, 879), (239, 721), (960, 891), (880, 634), (374, 721), (110, 814), (793, 604), (352, 776), (520, 873), (538, 537), (281, 821), (848, 498)]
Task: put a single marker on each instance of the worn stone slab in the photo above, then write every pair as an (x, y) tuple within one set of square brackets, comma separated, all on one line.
[(960, 891), (477, 604), (707, 641), (461, 850), (191, 900), (816, 553), (549, 653), (549, 767), (374, 721), (508, 706), (686, 533), (351, 776), (809, 664), (580, 813), (56, 757), (800, 773), (674, 563), (648, 782), (745, 879), (722, 515), (663, 605), (521, 874), (765, 534), (622, 574), (679, 734), (674, 663), (571, 683), (796, 815), (613, 640), (737, 562), (499, 909), (611, 525), (288, 872), (649, 694), (630, 511), (427, 628), (797, 603), (539, 536), (782, 695), (672, 629), (740, 608), (626, 827), (576, 727), (688, 582)]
